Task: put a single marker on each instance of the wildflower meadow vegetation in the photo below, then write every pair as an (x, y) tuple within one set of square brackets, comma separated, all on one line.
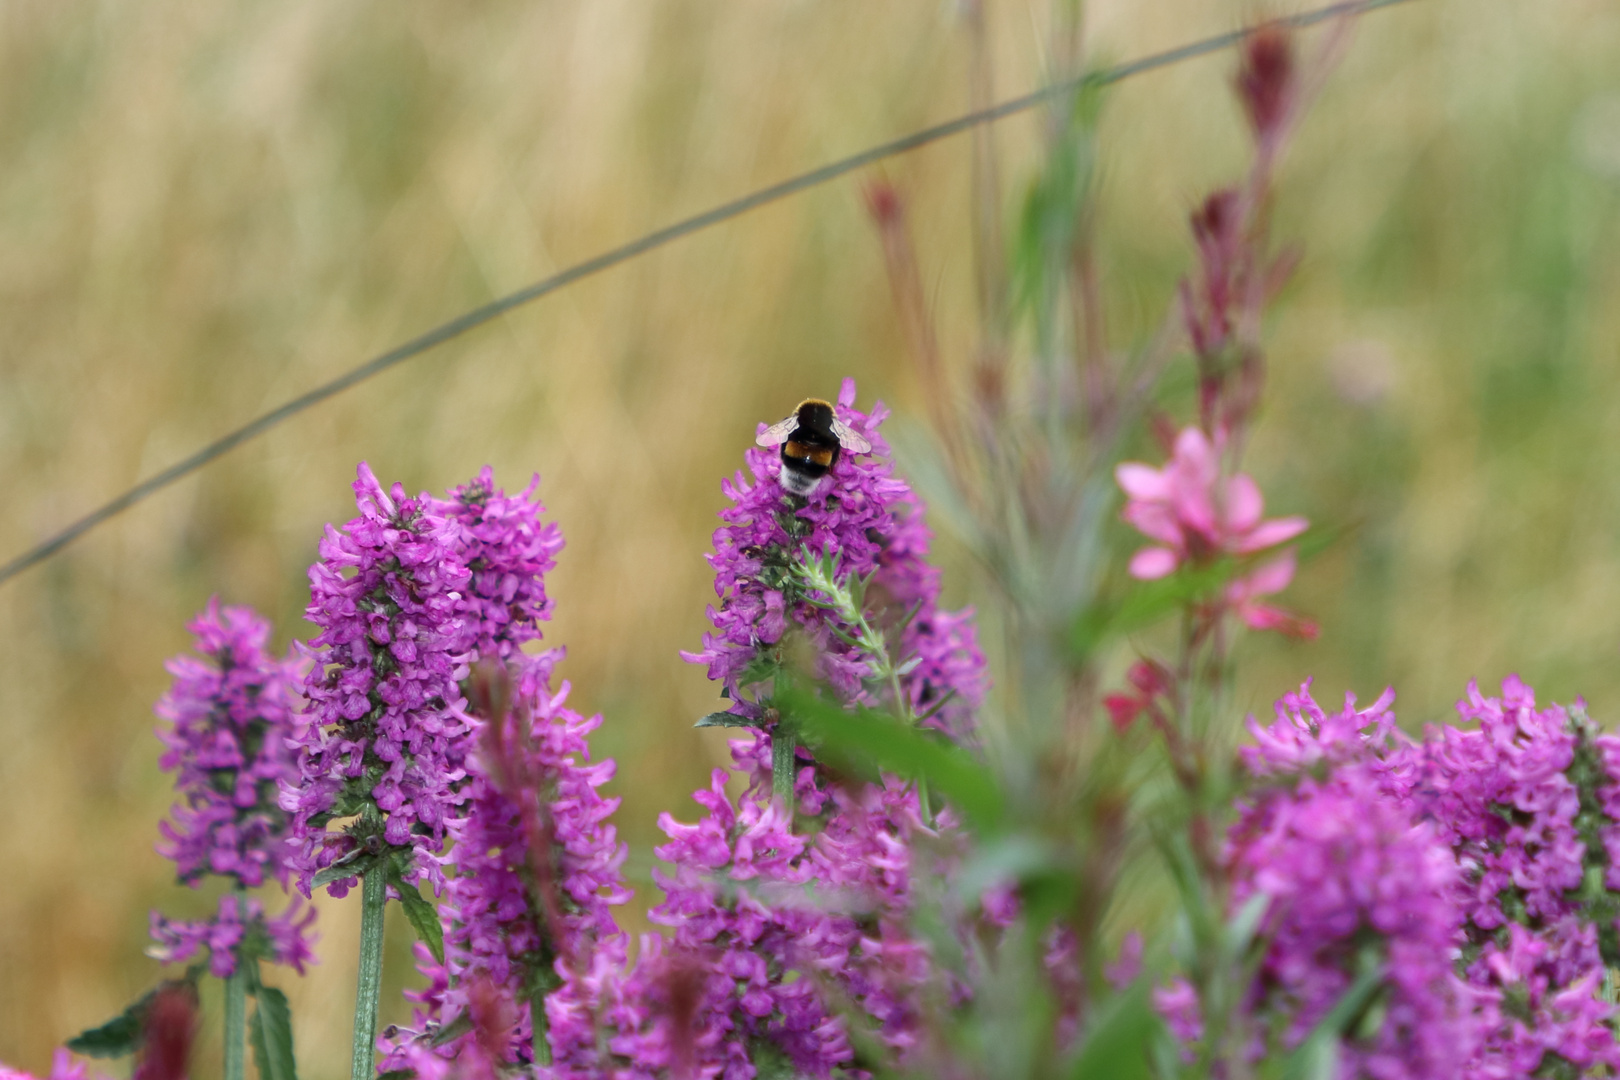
[(1031, 836)]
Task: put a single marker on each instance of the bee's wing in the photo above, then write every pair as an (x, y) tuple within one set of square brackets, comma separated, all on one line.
[(777, 434), (849, 439)]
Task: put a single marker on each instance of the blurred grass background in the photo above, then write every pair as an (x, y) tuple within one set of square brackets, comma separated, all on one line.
[(208, 208)]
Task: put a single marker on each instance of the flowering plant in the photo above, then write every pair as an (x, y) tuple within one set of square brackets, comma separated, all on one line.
[(903, 873)]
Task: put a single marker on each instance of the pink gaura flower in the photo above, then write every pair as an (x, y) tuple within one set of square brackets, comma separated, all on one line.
[(1243, 598), (1196, 515)]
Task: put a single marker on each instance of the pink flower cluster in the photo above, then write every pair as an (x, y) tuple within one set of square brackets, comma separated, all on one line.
[(1197, 516), (508, 551), (1471, 867), (1351, 883), (766, 919)]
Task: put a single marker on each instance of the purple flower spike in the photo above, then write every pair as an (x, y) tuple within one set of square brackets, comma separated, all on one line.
[(239, 929), (1525, 801), (873, 522), (230, 714), (507, 551), (387, 732), (1353, 885), (537, 863)]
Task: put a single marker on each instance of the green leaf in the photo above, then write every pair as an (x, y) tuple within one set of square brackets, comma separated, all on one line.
[(1118, 1044), (424, 917), (1145, 603), (726, 719), (1242, 927), (272, 1036), (119, 1036), (452, 1031), (1010, 858), (354, 864), (762, 668), (868, 740), (1317, 1058)]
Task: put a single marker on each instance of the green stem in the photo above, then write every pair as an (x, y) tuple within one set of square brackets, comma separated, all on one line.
[(537, 1025), (374, 898), (784, 764), (236, 988)]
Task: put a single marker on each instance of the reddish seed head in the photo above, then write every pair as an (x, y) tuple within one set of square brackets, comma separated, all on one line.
[(883, 203), (1265, 82), (169, 1026)]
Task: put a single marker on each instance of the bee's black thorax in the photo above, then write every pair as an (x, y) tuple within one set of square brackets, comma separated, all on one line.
[(816, 417)]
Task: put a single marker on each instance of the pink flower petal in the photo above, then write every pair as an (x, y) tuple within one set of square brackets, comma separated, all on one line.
[(1143, 482), (1271, 533), (1269, 577), (1195, 457), (1152, 563), (1155, 521), (1243, 503)]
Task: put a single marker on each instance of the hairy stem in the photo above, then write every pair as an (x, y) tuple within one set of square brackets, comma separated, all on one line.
[(236, 988), (373, 900)]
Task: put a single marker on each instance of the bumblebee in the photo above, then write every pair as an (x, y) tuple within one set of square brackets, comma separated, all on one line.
[(811, 438)]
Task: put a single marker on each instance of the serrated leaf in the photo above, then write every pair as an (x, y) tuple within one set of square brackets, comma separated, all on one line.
[(271, 1033), (119, 1036), (761, 668), (726, 719), (423, 916), (340, 871)]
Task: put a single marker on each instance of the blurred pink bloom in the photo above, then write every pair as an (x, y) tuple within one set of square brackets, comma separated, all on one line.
[(1196, 515), (1270, 577)]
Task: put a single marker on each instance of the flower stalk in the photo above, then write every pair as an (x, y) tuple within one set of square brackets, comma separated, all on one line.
[(236, 988), (368, 986)]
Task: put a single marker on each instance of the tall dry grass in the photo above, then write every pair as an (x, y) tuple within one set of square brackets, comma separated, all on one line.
[(207, 208)]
